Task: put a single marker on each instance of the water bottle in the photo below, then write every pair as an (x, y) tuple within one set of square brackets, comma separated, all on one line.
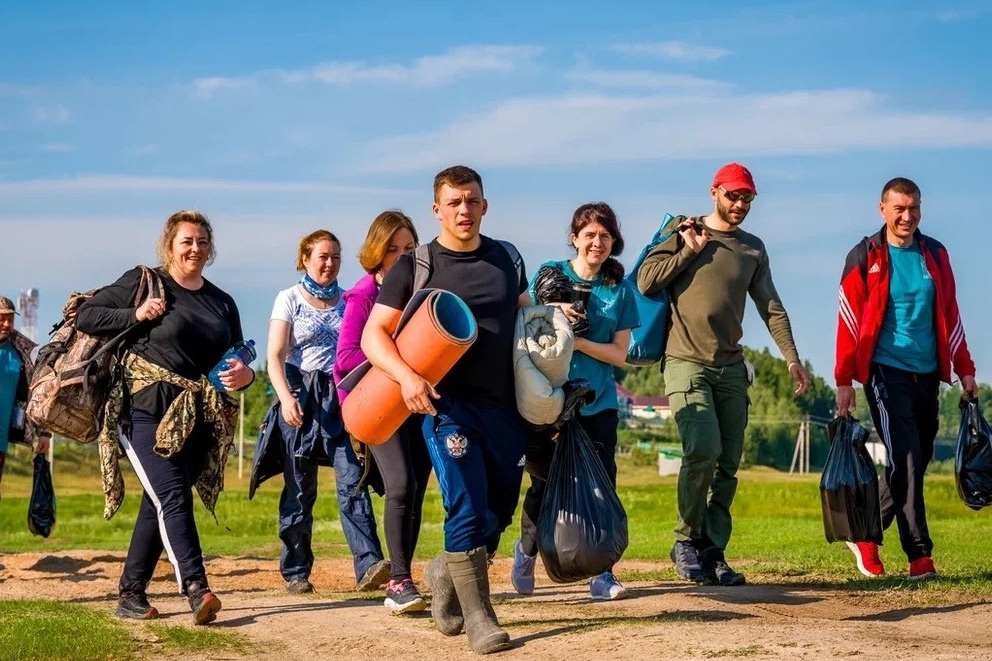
[(243, 351)]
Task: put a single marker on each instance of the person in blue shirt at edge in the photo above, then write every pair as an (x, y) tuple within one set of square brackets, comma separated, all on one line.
[(611, 313), (16, 368)]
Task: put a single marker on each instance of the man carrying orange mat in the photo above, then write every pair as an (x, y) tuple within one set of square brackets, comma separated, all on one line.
[(475, 436)]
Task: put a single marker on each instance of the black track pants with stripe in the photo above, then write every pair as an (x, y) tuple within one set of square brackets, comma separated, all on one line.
[(904, 408), (165, 519)]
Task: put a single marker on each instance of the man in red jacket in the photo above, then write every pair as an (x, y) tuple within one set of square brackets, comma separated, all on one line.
[(899, 333)]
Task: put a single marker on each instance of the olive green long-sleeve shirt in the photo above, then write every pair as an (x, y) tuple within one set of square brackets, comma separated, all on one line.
[(708, 291)]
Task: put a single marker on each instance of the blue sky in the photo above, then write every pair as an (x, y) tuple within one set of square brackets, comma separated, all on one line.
[(279, 118)]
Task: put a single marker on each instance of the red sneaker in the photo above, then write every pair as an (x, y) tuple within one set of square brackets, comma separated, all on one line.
[(866, 554), (922, 568)]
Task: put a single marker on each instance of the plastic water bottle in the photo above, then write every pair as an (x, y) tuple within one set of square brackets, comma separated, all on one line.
[(243, 351)]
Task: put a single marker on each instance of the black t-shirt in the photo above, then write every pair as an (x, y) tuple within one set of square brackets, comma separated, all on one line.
[(487, 281), (198, 327)]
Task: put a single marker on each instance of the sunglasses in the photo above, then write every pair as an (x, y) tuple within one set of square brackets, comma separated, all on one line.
[(735, 197)]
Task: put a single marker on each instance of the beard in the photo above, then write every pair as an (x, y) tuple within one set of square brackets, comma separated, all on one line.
[(723, 210)]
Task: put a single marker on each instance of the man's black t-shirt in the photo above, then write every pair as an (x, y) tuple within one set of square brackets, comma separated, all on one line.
[(193, 334), (487, 280)]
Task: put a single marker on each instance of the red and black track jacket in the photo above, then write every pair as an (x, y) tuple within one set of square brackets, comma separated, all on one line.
[(864, 293)]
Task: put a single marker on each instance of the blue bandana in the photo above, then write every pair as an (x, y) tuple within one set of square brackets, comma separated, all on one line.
[(323, 293)]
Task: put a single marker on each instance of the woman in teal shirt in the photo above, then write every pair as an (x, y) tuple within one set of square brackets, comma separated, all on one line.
[(611, 313)]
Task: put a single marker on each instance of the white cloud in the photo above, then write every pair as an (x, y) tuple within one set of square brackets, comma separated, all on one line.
[(642, 79), (58, 148), (674, 50), (108, 183), (955, 15), (54, 115), (597, 128), (208, 87), (423, 72)]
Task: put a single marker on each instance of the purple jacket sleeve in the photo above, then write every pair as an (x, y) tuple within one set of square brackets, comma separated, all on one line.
[(357, 308)]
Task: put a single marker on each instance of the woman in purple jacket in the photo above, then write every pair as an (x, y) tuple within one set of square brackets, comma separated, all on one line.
[(402, 460)]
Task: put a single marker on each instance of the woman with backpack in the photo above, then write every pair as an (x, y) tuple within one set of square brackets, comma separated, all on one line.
[(303, 336), (402, 461), (174, 426), (602, 326)]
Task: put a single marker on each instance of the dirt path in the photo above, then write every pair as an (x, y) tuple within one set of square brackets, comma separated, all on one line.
[(659, 621)]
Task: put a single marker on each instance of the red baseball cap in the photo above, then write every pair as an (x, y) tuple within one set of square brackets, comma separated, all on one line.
[(733, 177)]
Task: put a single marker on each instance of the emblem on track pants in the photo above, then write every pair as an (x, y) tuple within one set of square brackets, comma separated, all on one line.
[(456, 445)]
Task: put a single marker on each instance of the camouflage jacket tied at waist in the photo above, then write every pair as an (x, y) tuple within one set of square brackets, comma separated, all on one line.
[(219, 413)]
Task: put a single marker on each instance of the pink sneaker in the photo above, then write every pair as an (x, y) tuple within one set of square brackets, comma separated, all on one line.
[(866, 554), (922, 568)]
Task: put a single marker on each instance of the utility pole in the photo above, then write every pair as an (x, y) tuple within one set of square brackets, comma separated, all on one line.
[(800, 456)]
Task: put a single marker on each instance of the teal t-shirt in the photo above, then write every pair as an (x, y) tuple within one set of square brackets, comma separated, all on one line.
[(908, 339), (10, 374), (611, 309)]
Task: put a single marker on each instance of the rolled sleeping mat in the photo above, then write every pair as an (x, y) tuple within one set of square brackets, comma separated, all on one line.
[(542, 356), (436, 329)]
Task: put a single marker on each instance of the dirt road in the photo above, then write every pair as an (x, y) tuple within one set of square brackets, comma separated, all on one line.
[(789, 619)]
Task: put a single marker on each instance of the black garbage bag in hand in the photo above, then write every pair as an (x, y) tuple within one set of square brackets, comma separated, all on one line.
[(41, 510), (973, 457), (582, 529), (849, 486)]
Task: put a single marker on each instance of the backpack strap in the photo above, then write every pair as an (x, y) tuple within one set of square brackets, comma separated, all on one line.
[(518, 261), (422, 265)]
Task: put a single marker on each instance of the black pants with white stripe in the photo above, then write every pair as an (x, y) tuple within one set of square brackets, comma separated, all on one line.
[(165, 519), (904, 408)]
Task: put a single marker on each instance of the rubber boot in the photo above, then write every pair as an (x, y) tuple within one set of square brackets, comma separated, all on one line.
[(445, 609), (470, 575)]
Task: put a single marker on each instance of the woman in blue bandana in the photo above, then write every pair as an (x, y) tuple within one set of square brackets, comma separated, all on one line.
[(303, 336)]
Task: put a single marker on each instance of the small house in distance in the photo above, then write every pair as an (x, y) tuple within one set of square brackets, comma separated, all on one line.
[(650, 407)]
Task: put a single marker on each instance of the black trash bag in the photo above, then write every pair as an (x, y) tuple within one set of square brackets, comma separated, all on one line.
[(849, 486), (41, 510), (582, 529), (973, 457)]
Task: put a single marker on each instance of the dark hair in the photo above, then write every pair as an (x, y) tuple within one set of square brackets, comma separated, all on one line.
[(381, 232), (600, 212), (901, 185), (309, 242), (456, 175)]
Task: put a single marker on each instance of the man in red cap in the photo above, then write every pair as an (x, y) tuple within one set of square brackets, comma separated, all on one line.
[(16, 370), (709, 267)]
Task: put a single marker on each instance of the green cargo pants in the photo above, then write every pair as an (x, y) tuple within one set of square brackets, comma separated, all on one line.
[(710, 407)]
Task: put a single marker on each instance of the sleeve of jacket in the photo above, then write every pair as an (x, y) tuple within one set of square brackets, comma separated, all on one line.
[(852, 296), (960, 356)]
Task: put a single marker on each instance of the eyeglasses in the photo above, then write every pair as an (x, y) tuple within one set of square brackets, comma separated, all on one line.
[(735, 197)]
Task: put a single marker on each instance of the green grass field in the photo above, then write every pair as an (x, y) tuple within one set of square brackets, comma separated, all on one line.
[(778, 528), (778, 537)]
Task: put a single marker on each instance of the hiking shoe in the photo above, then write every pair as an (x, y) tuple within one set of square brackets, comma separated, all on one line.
[(299, 586), (866, 553), (686, 559), (606, 587), (522, 574), (202, 602), (720, 573), (135, 606), (922, 568), (402, 596), (375, 576)]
